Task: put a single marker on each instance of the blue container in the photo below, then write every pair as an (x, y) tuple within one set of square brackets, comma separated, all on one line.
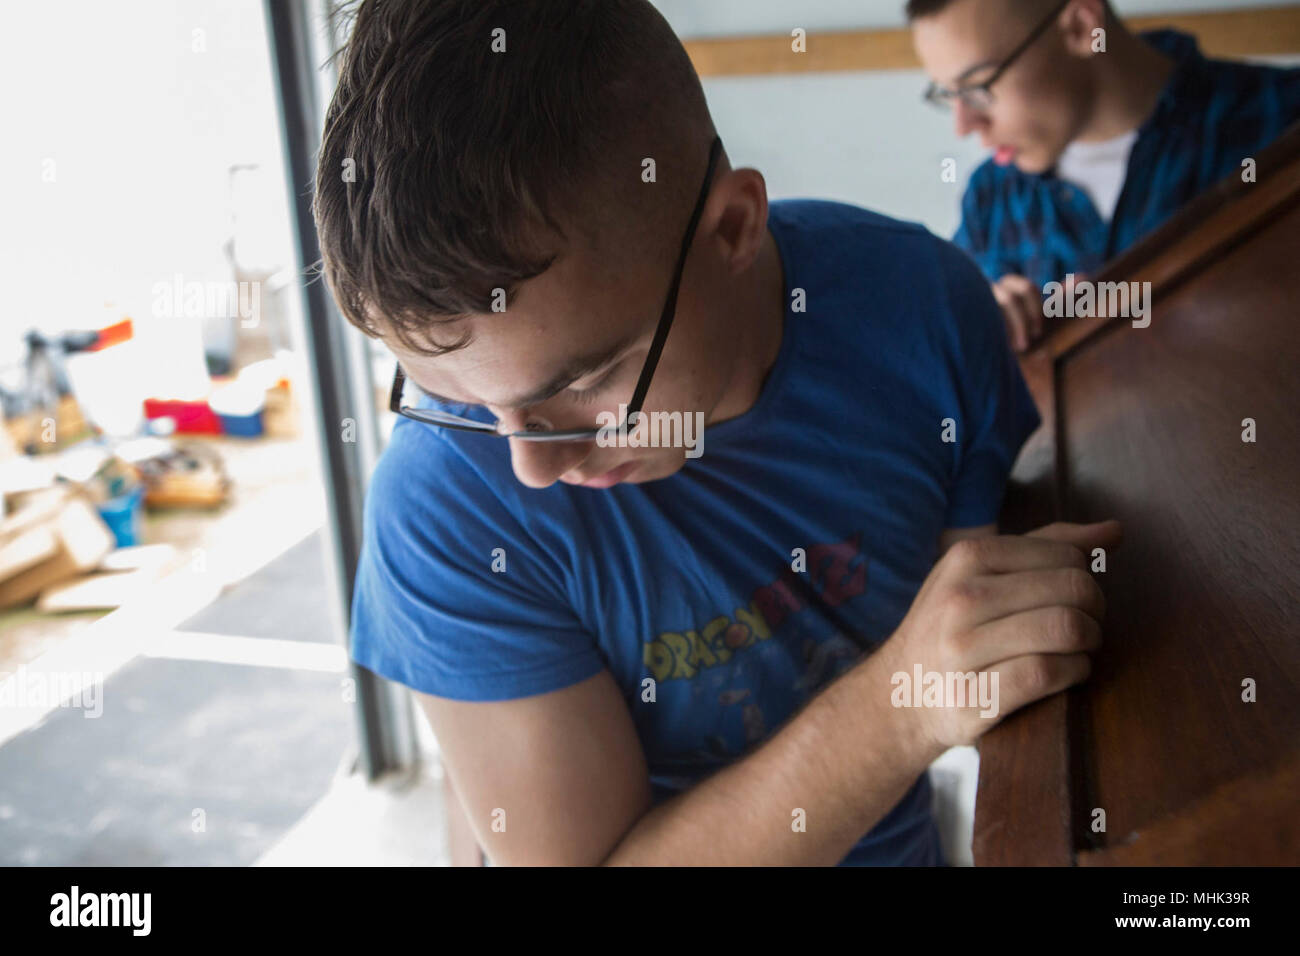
[(124, 516), (247, 426)]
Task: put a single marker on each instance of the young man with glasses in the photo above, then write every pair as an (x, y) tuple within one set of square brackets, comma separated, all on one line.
[(1097, 135), (629, 655)]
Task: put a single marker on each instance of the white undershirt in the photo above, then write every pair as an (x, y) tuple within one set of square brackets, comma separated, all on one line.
[(1098, 169)]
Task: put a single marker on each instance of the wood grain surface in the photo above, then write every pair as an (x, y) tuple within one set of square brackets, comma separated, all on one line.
[(1145, 425)]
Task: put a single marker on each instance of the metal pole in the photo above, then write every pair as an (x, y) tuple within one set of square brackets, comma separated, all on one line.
[(340, 388)]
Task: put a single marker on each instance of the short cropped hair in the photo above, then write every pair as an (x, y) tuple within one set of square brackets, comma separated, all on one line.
[(923, 8), (916, 9), (446, 166)]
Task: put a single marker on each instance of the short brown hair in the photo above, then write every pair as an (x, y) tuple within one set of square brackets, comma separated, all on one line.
[(463, 157), (924, 8)]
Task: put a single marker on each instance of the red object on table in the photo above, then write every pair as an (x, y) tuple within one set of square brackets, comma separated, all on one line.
[(119, 332), (192, 418)]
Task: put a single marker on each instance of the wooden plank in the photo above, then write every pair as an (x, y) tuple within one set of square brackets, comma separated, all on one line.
[(36, 508), (1253, 31), (28, 548), (1023, 803), (84, 540), (1250, 31), (826, 52)]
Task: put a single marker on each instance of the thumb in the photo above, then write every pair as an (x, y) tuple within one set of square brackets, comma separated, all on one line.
[(1101, 534)]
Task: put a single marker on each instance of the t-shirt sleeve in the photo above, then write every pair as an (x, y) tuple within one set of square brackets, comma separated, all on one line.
[(453, 597), (996, 412)]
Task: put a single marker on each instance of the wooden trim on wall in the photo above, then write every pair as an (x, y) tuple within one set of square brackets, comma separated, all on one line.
[(1254, 31)]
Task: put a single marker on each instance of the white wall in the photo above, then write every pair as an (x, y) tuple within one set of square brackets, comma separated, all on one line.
[(864, 138)]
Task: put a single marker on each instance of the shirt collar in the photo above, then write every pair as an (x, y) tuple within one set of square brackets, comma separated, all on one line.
[(1185, 83)]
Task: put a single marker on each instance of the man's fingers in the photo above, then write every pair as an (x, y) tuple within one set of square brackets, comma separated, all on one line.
[(1017, 283), (1023, 680), (1044, 630), (1034, 309), (1013, 552), (988, 598), (1017, 328), (1100, 534), (1030, 305), (1013, 315), (1024, 302)]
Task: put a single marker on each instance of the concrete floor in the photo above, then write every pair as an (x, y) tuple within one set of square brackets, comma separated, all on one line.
[(224, 740)]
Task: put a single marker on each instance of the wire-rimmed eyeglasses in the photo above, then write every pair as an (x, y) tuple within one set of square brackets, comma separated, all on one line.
[(979, 96)]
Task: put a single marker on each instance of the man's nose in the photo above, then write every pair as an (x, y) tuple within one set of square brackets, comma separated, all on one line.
[(537, 464), (967, 119)]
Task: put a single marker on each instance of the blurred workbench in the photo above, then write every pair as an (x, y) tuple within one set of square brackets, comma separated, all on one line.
[(275, 485)]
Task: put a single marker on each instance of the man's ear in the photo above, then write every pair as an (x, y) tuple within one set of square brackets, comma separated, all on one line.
[(737, 210), (1079, 23)]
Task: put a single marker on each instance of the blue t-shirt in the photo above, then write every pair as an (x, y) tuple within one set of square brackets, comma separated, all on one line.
[(894, 410)]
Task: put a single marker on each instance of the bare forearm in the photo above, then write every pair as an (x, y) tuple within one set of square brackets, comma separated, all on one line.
[(845, 760)]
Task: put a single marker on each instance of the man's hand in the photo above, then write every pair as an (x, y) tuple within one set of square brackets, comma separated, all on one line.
[(1022, 606), (1022, 310)]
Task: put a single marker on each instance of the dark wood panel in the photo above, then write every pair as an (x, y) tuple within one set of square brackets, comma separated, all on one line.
[(1145, 425), (1252, 820), (1204, 592)]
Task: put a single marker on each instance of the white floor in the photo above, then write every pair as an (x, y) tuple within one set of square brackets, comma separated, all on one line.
[(397, 822)]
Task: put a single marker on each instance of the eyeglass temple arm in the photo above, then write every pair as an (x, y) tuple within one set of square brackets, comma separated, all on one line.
[(670, 307), (1026, 43), (934, 89), (395, 397)]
